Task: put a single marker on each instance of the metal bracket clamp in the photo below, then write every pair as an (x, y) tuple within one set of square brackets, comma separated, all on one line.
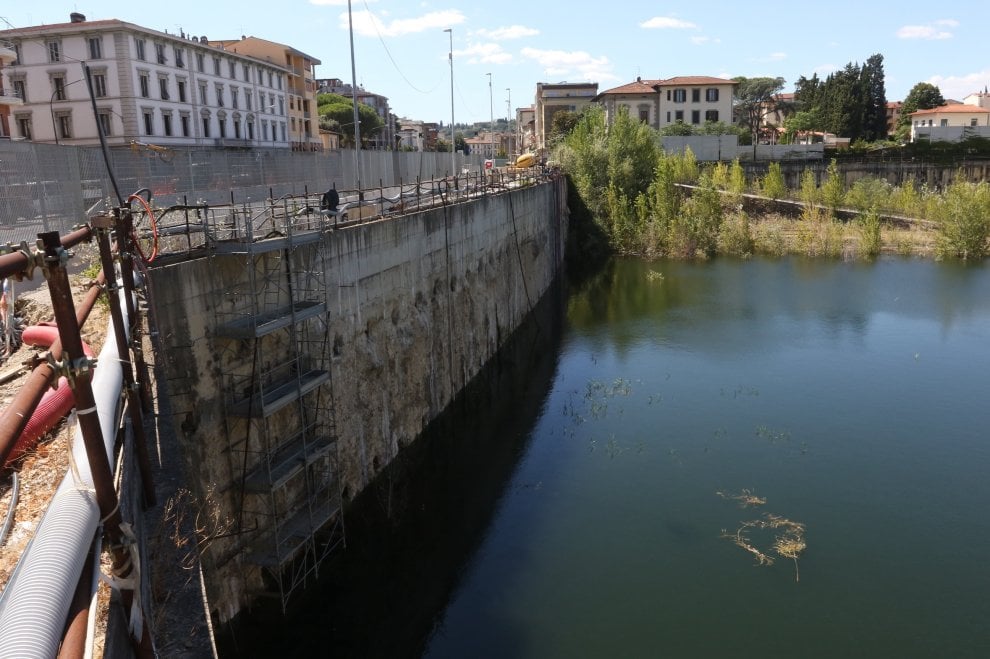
[(34, 259), (61, 257), (71, 369)]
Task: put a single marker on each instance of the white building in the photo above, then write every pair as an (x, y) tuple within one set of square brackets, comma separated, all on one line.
[(692, 100), (149, 86)]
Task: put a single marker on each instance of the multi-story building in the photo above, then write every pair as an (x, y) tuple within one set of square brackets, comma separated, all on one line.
[(384, 138), (893, 115), (526, 129), (692, 100), (148, 86), (301, 88), (950, 122), (8, 98), (552, 98)]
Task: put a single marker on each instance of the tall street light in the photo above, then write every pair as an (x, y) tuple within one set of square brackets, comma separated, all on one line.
[(491, 116), (357, 122), (453, 173)]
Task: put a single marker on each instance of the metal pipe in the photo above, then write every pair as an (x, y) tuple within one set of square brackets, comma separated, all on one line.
[(74, 639), (18, 263), (102, 225), (16, 415)]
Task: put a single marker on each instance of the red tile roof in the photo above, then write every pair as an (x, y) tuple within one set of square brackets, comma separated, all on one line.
[(636, 87), (955, 108), (694, 80)]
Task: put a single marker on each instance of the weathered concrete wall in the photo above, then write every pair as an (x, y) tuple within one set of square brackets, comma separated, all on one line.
[(415, 307)]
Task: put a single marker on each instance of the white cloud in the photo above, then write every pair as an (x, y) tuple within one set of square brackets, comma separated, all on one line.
[(958, 87), (667, 23), (926, 32), (480, 53), (825, 69), (368, 24), (508, 32), (947, 22), (564, 63)]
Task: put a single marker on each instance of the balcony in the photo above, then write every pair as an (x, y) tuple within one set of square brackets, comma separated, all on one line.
[(7, 52), (8, 97)]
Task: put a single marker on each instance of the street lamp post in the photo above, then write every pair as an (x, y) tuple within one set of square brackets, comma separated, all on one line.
[(453, 165), (357, 123), (491, 116)]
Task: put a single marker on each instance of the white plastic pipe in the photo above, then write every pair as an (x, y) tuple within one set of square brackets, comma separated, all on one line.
[(35, 603)]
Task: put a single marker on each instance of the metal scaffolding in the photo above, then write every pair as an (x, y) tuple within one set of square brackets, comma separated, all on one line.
[(272, 343)]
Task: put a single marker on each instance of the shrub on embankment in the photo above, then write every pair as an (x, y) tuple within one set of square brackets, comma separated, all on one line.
[(626, 190)]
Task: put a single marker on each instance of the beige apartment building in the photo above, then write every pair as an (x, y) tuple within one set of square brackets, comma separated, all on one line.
[(692, 100), (149, 86), (552, 98)]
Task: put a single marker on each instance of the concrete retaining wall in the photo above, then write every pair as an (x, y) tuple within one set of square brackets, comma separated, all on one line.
[(416, 306)]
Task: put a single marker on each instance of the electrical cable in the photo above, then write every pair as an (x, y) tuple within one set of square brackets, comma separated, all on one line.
[(103, 138), (8, 521), (392, 59)]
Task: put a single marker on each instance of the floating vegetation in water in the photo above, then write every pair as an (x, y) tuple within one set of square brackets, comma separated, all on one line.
[(745, 498), (653, 275), (771, 435), (788, 541)]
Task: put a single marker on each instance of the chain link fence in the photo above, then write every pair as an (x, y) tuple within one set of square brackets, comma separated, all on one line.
[(47, 187)]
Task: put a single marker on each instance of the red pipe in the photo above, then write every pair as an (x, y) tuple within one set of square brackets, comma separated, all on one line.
[(55, 403)]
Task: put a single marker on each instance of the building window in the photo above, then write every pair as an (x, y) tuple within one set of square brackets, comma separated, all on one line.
[(167, 123), (163, 88), (237, 128), (233, 97), (202, 94), (679, 115), (139, 48), (264, 129), (160, 53), (269, 78), (199, 62), (17, 54), (24, 126), (943, 123), (181, 86), (145, 84), (63, 122), (644, 116), (149, 122), (696, 96), (58, 88), (668, 116), (180, 62), (220, 95), (223, 126), (711, 115), (99, 85), (216, 66), (247, 99), (280, 82), (184, 123), (250, 130), (695, 116), (292, 124), (711, 94), (54, 52), (232, 67), (281, 105), (105, 124), (206, 125), (680, 95), (247, 73), (95, 48), (972, 122), (19, 90), (283, 131)]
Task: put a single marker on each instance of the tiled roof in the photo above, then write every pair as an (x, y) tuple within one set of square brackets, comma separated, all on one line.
[(61, 26), (694, 80), (955, 108), (635, 87)]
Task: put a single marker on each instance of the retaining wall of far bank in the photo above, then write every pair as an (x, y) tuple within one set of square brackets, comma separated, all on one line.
[(415, 307)]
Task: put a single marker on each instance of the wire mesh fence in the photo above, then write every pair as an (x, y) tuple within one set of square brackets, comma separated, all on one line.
[(46, 187)]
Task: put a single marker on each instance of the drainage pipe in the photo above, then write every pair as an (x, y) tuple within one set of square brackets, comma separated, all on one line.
[(19, 262), (35, 603), (16, 415)]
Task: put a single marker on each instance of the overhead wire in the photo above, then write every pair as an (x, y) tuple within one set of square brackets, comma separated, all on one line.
[(392, 59)]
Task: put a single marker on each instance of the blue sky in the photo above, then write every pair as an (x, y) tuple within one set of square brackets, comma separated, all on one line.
[(401, 48)]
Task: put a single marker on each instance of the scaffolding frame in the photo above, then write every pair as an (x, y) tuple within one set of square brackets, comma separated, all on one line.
[(272, 343)]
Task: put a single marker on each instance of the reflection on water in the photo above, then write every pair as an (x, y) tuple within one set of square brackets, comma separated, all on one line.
[(850, 397)]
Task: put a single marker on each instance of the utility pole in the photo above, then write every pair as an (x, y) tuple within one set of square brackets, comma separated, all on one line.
[(491, 116), (453, 164)]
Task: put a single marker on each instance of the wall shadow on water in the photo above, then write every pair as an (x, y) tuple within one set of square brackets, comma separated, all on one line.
[(411, 533)]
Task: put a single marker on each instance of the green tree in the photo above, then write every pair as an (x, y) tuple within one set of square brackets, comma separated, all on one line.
[(802, 121), (772, 184), (678, 128), (923, 96), (340, 109), (874, 100), (562, 123), (755, 99)]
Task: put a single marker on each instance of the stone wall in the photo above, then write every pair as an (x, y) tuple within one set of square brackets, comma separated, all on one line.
[(415, 307)]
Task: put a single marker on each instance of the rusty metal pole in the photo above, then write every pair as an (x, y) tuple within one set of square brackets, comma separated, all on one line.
[(102, 224), (17, 414), (74, 638), (124, 227), (79, 376)]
